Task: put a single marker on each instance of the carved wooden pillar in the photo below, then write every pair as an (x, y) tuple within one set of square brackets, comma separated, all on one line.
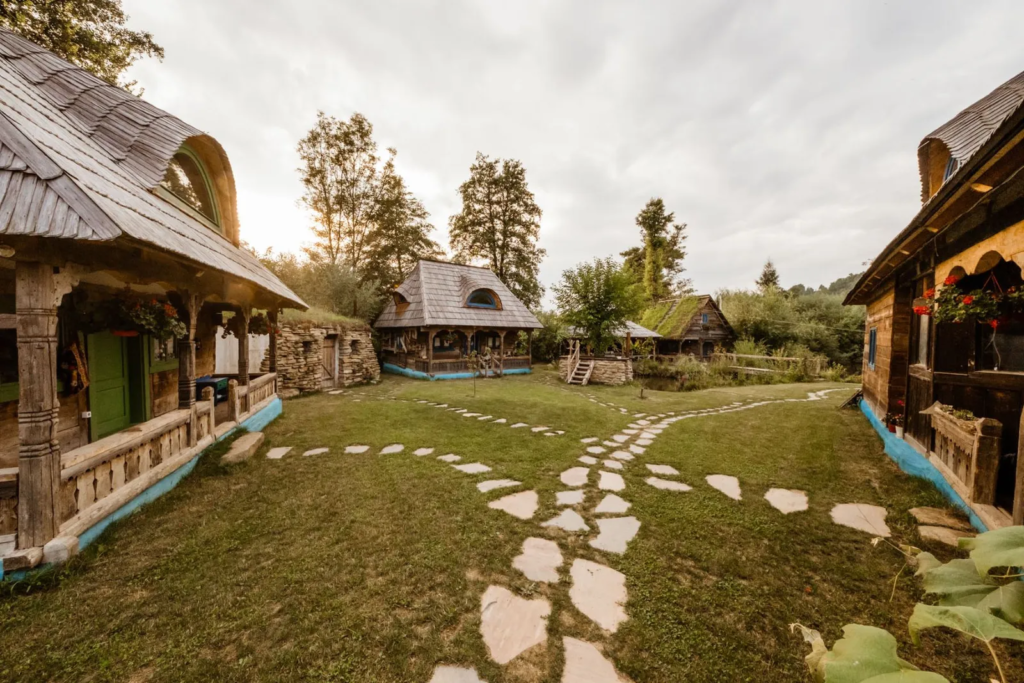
[(430, 352), (272, 319), (38, 292), (501, 353), (243, 313), (189, 308), (529, 347)]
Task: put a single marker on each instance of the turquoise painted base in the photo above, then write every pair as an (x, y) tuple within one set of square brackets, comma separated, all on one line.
[(416, 374), (915, 464), (254, 424)]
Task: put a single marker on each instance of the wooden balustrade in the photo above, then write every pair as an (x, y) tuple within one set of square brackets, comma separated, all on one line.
[(261, 389), (967, 454), (94, 472)]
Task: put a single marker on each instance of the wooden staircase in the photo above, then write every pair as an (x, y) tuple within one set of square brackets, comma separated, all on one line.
[(581, 375)]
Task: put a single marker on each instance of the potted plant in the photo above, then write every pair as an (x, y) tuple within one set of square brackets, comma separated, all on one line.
[(127, 315)]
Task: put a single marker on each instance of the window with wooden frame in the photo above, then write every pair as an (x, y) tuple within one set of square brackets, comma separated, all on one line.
[(187, 181), (872, 346), (484, 298)]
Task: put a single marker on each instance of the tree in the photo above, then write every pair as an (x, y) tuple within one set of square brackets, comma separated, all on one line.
[(597, 299), (769, 280), (88, 33), (500, 223), (401, 233), (340, 174), (659, 262)]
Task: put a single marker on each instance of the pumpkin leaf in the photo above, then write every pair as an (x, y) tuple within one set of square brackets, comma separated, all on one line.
[(908, 677), (925, 563), (1006, 602), (999, 548), (974, 622), (958, 583), (862, 654)]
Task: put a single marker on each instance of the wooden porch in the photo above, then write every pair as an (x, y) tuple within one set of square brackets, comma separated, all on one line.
[(438, 352)]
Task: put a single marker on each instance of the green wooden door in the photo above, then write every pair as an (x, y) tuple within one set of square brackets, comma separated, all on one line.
[(109, 392)]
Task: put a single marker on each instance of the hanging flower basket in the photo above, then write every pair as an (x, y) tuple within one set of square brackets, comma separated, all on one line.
[(949, 305), (127, 315)]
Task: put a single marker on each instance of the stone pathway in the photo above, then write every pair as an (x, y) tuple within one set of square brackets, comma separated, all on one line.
[(521, 505), (539, 560), (278, 453), (510, 625)]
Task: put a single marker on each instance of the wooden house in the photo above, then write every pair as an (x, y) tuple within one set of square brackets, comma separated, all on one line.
[(692, 325), (111, 210), (444, 312), (967, 238), (579, 365)]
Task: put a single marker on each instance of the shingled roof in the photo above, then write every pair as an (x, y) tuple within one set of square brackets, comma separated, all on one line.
[(436, 293), (79, 159), (634, 330)]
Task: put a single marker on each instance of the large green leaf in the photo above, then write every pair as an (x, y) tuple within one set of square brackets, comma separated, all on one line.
[(862, 653), (974, 622), (1000, 548), (958, 584), (1006, 602), (908, 677), (925, 563)]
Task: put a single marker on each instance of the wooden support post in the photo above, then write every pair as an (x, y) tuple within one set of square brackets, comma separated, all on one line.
[(244, 313), (234, 412), (629, 346), (430, 352), (38, 291), (529, 347), (501, 353), (986, 461), (1018, 491), (272, 319), (189, 309)]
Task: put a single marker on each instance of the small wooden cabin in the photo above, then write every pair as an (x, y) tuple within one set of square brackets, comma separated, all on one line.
[(968, 236), (692, 325), (114, 215), (580, 365), (444, 312)]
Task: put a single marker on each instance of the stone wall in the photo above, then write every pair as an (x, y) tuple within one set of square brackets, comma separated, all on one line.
[(300, 357), (614, 371)]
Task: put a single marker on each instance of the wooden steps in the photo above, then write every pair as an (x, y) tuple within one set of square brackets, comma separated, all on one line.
[(581, 375)]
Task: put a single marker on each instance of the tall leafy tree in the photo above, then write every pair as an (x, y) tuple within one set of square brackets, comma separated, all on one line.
[(597, 299), (401, 232), (769, 280), (500, 223), (658, 264), (89, 33)]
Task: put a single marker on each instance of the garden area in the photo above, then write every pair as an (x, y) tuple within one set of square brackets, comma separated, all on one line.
[(508, 530)]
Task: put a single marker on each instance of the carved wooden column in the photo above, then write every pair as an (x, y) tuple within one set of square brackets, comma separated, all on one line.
[(430, 352), (272, 319), (243, 313), (529, 348), (501, 353), (38, 292), (189, 308)]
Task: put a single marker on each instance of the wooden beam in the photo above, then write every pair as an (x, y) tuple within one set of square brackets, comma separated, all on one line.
[(272, 319)]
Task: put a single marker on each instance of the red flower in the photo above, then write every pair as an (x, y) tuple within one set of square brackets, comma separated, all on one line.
[(930, 294), (968, 300), (922, 310), (951, 280), (993, 323)]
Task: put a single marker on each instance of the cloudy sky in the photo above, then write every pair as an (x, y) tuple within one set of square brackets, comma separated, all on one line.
[(773, 129)]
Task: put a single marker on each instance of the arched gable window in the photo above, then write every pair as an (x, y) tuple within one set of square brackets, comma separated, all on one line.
[(187, 180), (951, 167), (484, 298)]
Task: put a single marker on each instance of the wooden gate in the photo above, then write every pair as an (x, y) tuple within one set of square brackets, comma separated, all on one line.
[(329, 363)]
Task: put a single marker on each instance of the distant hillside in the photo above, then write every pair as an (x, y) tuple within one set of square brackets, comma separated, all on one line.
[(842, 286)]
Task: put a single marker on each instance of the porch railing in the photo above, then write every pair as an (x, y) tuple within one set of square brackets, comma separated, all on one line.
[(516, 362), (967, 454), (574, 359), (127, 463)]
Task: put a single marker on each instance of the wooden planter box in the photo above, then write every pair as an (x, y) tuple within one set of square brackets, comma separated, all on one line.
[(967, 453)]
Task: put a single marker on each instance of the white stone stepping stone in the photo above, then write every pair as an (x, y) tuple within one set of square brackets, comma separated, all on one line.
[(615, 534), (869, 518), (470, 414), (643, 423), (557, 432), (621, 438), (521, 505), (667, 485), (730, 486), (539, 560), (441, 405), (336, 392), (622, 455), (511, 625), (596, 450), (357, 448), (647, 435), (485, 417), (278, 453), (316, 451), (494, 484), (656, 430), (639, 450), (575, 476), (612, 444), (568, 520), (569, 497), (631, 432), (787, 500), (589, 439), (393, 448), (599, 592), (663, 469), (644, 442), (539, 429), (500, 421), (451, 457), (458, 410), (611, 482), (517, 425), (612, 505), (588, 460), (423, 451), (634, 425), (613, 464), (473, 468), (455, 674)]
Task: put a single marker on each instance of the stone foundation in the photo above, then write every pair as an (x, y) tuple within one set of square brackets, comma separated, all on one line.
[(300, 356), (614, 371)]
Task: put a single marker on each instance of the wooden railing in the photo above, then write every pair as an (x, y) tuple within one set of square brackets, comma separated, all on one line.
[(516, 362), (93, 473), (261, 388), (747, 362), (967, 454), (574, 359)]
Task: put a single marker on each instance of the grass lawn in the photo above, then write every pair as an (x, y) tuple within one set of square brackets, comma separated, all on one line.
[(371, 567)]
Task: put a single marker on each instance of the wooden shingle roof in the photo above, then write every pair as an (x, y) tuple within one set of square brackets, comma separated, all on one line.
[(634, 330), (80, 158), (436, 293)]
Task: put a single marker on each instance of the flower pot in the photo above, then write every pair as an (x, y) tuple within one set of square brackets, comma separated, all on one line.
[(892, 427), (125, 333), (899, 432)]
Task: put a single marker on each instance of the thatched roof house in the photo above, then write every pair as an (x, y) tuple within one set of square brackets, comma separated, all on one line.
[(691, 324)]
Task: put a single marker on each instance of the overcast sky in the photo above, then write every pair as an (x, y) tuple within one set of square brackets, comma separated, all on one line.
[(773, 129)]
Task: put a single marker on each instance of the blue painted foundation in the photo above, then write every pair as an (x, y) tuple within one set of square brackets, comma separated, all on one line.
[(416, 374), (255, 423), (917, 465)]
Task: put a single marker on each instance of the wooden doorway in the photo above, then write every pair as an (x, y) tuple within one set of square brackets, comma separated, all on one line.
[(118, 390), (329, 363)]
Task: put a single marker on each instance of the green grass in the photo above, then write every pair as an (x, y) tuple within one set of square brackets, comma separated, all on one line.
[(370, 568)]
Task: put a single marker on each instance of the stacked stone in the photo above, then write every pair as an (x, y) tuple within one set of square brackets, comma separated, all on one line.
[(606, 371), (300, 356)]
